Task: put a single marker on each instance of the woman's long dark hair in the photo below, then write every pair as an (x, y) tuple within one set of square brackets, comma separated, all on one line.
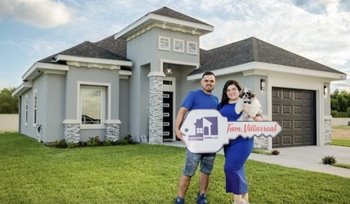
[(224, 98)]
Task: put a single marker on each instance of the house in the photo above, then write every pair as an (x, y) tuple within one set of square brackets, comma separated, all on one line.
[(134, 82)]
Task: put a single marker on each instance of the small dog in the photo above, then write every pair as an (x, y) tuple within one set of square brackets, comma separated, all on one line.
[(247, 98)]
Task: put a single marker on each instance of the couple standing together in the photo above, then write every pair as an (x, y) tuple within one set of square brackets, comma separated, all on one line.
[(236, 152)]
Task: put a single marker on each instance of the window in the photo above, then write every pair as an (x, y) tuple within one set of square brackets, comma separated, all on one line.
[(178, 45), (93, 103), (164, 43), (26, 109), (35, 107), (192, 47)]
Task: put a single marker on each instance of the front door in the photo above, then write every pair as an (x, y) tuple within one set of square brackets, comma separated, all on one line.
[(168, 108)]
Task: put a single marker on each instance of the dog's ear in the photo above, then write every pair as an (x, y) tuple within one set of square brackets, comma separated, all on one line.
[(252, 94), (241, 93)]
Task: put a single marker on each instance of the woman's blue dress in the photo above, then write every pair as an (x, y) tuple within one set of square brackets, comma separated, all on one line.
[(236, 153)]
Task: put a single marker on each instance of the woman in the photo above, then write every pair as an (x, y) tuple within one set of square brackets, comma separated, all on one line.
[(238, 150)]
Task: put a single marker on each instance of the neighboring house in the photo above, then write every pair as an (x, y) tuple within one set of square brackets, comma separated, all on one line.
[(134, 82)]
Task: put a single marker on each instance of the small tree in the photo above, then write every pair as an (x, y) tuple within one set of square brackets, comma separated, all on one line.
[(8, 103), (340, 104)]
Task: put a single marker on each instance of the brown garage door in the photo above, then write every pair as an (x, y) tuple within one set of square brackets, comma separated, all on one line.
[(295, 111)]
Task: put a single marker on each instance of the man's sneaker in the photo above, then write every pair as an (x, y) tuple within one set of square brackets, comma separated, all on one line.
[(179, 200), (202, 198)]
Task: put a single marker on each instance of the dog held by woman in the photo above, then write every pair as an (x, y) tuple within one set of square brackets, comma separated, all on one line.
[(253, 107)]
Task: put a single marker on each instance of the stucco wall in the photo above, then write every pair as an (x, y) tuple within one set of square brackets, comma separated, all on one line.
[(9, 122)]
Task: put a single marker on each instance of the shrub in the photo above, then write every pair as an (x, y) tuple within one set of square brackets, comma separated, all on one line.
[(275, 152), (94, 141), (61, 144), (328, 160)]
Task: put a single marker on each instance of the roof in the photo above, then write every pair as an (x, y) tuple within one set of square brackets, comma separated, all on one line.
[(254, 50), (87, 49), (165, 18), (165, 11), (91, 50), (117, 46)]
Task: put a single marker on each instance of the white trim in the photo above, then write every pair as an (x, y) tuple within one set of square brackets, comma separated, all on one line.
[(71, 121), (124, 72), (154, 17), (162, 40), (36, 69), (22, 88), (161, 74), (26, 110), (109, 104), (259, 66), (35, 110), (192, 52), (113, 122), (162, 61), (58, 72), (181, 49), (94, 60)]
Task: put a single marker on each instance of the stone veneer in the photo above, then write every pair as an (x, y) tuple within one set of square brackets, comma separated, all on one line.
[(112, 130), (71, 131), (156, 109), (327, 130), (261, 142)]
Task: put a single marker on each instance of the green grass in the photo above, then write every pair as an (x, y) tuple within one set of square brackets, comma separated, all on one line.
[(347, 166), (33, 173), (341, 142)]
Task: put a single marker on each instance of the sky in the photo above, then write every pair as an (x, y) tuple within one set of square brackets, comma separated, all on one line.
[(31, 30)]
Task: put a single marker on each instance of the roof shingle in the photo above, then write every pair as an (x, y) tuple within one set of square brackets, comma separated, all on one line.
[(253, 49)]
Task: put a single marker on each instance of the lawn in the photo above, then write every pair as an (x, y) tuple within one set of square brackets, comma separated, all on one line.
[(341, 135), (34, 173)]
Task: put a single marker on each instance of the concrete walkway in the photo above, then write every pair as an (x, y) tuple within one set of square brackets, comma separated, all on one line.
[(306, 158)]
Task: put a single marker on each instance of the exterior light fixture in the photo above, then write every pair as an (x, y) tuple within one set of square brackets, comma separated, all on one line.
[(325, 90), (262, 84), (168, 71)]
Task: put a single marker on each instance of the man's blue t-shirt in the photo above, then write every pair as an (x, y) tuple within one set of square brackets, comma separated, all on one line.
[(198, 99)]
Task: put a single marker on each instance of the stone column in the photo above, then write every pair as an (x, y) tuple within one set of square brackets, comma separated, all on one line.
[(156, 107), (112, 130), (327, 130), (71, 131)]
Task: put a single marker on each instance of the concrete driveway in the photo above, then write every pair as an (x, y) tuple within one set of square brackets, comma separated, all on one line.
[(309, 158), (306, 158)]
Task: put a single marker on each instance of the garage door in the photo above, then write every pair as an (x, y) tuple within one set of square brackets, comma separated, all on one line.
[(295, 111)]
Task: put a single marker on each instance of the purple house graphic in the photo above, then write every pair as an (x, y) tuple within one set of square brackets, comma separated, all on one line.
[(206, 126)]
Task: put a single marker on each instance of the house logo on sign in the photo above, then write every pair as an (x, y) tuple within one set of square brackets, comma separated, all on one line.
[(205, 128)]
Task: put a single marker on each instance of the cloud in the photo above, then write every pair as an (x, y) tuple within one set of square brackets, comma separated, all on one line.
[(39, 13)]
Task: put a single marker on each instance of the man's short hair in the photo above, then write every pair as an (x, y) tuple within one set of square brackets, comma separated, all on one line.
[(208, 73)]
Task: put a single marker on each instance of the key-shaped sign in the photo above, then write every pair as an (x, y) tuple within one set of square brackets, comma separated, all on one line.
[(206, 131)]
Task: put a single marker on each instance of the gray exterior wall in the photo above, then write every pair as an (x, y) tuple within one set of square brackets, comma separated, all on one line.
[(124, 107), (146, 57), (52, 128), (39, 85)]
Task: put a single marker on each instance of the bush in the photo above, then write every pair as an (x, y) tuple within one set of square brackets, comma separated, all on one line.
[(94, 141), (61, 144), (328, 160), (275, 152)]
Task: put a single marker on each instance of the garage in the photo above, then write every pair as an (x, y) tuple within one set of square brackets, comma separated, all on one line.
[(295, 111)]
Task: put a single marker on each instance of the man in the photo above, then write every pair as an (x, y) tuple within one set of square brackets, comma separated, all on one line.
[(198, 99)]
